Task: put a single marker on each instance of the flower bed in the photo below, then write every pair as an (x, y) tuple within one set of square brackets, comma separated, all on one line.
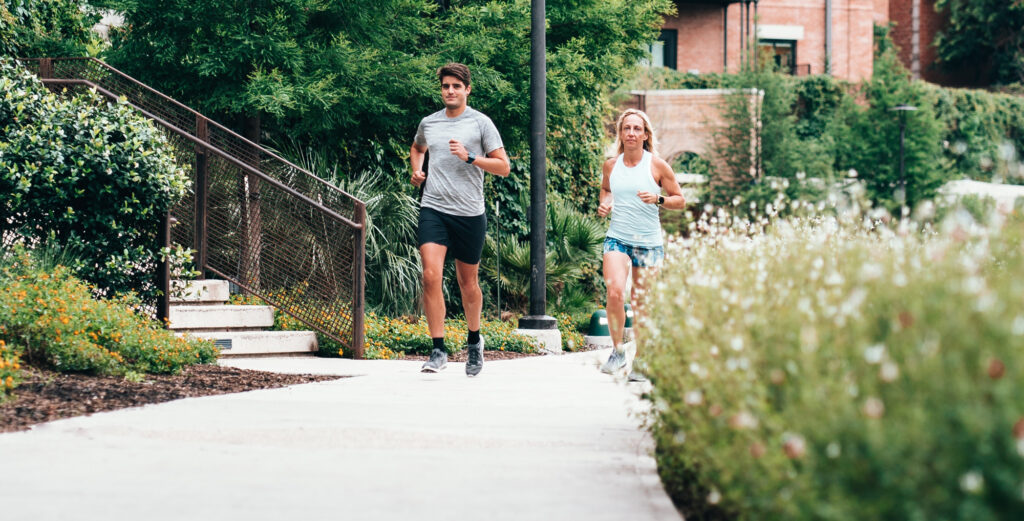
[(51, 319), (839, 369)]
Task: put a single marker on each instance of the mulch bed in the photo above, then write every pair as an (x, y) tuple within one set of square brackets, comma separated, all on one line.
[(47, 395)]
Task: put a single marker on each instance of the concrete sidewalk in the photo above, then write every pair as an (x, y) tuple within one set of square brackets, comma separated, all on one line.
[(538, 438)]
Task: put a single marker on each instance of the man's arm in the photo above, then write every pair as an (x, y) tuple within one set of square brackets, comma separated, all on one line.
[(496, 161), (416, 155)]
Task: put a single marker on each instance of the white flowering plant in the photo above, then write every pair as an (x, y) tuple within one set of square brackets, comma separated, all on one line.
[(849, 366)]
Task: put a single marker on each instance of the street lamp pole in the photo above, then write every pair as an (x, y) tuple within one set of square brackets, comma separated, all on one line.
[(901, 194), (537, 319)]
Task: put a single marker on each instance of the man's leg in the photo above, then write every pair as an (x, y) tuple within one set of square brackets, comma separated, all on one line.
[(472, 297), (472, 304), (432, 255)]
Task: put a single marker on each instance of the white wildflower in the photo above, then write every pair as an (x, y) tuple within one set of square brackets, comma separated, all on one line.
[(694, 398), (873, 354), (889, 372), (874, 408), (972, 482), (714, 497), (737, 343), (833, 450)]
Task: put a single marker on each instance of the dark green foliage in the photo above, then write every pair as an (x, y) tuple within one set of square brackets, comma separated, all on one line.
[(47, 28), (7, 21), (356, 77), (982, 131), (85, 174), (765, 155), (984, 36), (572, 262), (867, 139)]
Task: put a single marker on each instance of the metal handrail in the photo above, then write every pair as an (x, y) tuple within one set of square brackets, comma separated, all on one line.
[(216, 151), (248, 173), (177, 104)]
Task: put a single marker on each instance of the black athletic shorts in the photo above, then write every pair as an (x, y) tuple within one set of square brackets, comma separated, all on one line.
[(464, 236)]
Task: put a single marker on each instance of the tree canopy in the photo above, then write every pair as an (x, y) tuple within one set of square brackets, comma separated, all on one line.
[(986, 34), (355, 77), (37, 28)]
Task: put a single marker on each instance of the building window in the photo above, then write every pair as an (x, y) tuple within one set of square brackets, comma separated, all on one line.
[(663, 50), (781, 53)]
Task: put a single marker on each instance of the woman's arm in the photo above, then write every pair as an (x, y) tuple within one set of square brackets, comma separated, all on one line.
[(605, 205)]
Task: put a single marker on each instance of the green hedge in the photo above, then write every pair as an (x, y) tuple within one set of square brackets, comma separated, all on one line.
[(92, 176), (984, 132), (831, 370)]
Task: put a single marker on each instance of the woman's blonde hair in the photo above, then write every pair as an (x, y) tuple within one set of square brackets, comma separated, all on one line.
[(650, 145)]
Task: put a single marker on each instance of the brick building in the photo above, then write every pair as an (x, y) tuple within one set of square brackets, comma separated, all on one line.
[(804, 36)]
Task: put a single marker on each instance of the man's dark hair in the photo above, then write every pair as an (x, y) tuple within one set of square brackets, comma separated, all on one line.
[(457, 70)]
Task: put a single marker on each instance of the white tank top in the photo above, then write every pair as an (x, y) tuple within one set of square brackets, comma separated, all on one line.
[(634, 222)]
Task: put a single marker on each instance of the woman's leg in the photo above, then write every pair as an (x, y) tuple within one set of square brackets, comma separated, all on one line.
[(616, 269)]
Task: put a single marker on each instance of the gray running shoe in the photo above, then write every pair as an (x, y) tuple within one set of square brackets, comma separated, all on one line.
[(438, 361), (616, 362), (636, 376), (639, 371), (475, 362)]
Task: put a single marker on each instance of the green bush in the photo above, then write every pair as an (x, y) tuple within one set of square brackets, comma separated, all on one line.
[(569, 325), (983, 131), (834, 368), (91, 176), (10, 368), (54, 317), (48, 28), (394, 337)]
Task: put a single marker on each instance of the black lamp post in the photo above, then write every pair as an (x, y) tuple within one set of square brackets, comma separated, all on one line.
[(538, 319), (902, 194)]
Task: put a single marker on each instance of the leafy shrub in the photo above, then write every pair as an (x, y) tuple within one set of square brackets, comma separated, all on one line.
[(394, 337), (48, 28), (572, 332), (834, 368), (59, 323), (572, 263), (387, 338), (91, 176), (982, 131), (10, 368)]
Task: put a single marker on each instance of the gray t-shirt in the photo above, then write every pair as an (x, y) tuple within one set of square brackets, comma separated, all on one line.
[(454, 186)]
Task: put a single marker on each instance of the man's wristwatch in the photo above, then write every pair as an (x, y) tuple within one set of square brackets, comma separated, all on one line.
[(661, 200), (470, 157)]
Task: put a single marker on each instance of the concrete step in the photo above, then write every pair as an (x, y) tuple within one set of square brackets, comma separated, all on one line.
[(220, 318), (250, 343), (205, 291)]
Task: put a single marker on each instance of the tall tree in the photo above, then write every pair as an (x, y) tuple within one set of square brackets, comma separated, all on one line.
[(984, 35), (355, 77)]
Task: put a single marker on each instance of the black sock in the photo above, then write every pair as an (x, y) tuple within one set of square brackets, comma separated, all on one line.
[(474, 337), (438, 343)]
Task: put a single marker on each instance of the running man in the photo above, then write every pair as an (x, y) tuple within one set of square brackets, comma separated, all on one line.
[(463, 144)]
